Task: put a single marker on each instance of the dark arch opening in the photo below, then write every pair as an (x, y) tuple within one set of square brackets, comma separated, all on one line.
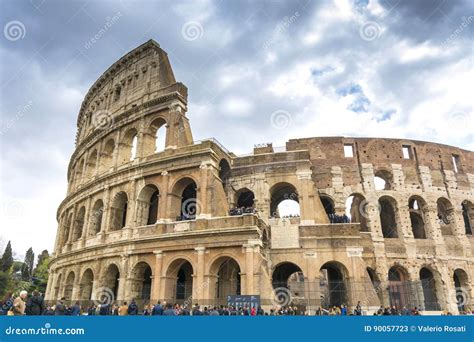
[(428, 285), (399, 288), (333, 289), (283, 192), (328, 205), (388, 218), (184, 282), (468, 216)]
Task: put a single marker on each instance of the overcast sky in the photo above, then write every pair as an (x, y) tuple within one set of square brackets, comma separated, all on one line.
[(257, 71)]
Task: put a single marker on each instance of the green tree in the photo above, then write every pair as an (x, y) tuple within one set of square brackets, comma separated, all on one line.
[(4, 283), (27, 268), (7, 258), (40, 274)]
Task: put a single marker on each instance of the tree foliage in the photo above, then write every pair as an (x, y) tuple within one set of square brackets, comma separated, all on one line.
[(7, 258)]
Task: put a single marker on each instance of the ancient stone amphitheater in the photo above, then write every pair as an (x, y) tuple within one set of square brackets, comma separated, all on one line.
[(152, 214)]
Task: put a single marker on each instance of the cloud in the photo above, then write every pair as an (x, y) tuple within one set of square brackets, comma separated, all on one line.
[(312, 60)]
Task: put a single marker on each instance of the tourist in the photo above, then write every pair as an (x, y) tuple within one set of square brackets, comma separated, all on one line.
[(123, 309), (76, 309), (92, 310), (48, 311), (196, 311), (60, 308), (133, 308), (19, 305), (169, 311), (157, 310)]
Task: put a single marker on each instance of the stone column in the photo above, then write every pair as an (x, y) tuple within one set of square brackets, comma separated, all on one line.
[(105, 216), (307, 207), (202, 194), (249, 267), (156, 287), (122, 292), (200, 291), (163, 199)]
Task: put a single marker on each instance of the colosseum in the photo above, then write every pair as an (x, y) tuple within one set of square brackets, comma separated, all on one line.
[(152, 214)]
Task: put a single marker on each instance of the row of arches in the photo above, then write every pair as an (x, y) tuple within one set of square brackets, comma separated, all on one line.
[(118, 151), (184, 206), (178, 282)]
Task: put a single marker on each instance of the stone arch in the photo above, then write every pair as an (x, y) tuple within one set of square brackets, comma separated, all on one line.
[(140, 281), (69, 285), (179, 280), (288, 282), (225, 272), (462, 286), (224, 170), (334, 284), (107, 155), (416, 205), (467, 208), (159, 133), (388, 216), (119, 211), (96, 217), (383, 179), (357, 210), (430, 289), (328, 204), (86, 285), (282, 192), (91, 164), (244, 198), (147, 205), (128, 146), (445, 215), (79, 224), (111, 279), (184, 199), (399, 287)]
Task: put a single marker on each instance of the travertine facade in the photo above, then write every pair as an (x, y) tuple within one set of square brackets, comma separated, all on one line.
[(154, 223)]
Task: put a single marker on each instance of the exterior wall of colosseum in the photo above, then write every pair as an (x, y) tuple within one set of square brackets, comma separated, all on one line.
[(151, 223)]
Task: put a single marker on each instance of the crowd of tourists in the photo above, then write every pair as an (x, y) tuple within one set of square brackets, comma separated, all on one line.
[(34, 305), (335, 218), (242, 210)]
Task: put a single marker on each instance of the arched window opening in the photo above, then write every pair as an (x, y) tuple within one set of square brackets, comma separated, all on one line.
[(284, 201), (288, 278), (106, 159), (86, 285), (399, 288), (383, 180), (245, 203), (428, 285), (69, 285), (141, 281), (462, 287), (127, 151), (445, 211), (133, 151), (91, 164), (159, 131), (79, 224), (67, 229), (468, 216), (328, 205), (96, 217), (79, 172), (147, 208), (224, 171), (111, 281), (184, 203), (184, 282), (179, 281), (357, 211), (119, 211), (333, 285), (417, 221), (189, 202), (228, 280), (388, 217)]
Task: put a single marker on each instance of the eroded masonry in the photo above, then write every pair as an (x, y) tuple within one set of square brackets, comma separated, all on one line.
[(152, 214)]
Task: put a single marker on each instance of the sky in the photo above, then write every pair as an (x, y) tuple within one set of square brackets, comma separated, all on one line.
[(266, 70)]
